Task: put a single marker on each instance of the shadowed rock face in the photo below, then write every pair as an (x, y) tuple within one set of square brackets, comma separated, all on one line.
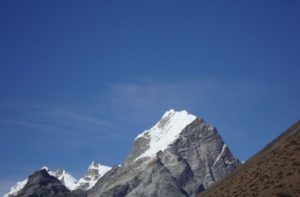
[(41, 184), (191, 163), (274, 171)]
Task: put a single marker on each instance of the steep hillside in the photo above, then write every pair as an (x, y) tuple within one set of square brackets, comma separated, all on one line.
[(274, 171)]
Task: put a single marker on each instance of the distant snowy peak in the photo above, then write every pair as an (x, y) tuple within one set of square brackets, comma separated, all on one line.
[(165, 131), (68, 180), (94, 173)]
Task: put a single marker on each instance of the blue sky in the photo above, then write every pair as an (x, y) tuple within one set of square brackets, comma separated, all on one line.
[(79, 80)]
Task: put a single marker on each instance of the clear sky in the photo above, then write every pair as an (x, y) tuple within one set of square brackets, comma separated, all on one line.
[(80, 79)]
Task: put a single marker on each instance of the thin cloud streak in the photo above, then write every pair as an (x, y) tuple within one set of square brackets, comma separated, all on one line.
[(136, 101), (41, 118), (132, 103)]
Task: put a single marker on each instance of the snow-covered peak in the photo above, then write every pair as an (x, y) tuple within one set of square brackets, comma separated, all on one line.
[(68, 180), (94, 173), (45, 168), (165, 131), (96, 168)]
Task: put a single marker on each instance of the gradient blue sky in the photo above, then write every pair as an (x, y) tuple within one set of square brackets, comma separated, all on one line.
[(80, 79)]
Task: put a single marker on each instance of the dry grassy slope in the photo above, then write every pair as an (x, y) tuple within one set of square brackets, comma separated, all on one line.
[(274, 171)]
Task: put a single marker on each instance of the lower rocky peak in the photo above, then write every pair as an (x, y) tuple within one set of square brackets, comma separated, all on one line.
[(41, 183)]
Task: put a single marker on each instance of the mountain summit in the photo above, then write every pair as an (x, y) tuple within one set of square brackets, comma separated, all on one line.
[(164, 132), (180, 156)]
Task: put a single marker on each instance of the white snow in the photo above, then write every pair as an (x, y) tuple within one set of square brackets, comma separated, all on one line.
[(221, 153), (16, 188), (94, 173), (165, 131), (68, 180)]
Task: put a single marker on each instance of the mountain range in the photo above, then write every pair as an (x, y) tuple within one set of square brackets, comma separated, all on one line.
[(94, 173), (180, 156)]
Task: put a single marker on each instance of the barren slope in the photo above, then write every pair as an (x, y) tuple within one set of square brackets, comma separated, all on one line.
[(274, 171)]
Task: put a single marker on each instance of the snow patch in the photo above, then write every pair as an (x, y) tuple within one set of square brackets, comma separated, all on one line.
[(165, 131), (16, 188), (220, 155)]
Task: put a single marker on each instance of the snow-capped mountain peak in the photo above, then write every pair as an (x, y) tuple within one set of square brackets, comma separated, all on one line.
[(94, 173), (68, 180), (165, 131)]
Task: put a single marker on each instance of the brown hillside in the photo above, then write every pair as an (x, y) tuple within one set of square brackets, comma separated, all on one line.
[(274, 171)]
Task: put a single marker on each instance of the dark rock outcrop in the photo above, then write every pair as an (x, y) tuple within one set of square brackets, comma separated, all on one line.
[(41, 184)]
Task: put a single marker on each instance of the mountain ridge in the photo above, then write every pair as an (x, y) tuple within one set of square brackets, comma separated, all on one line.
[(86, 182)]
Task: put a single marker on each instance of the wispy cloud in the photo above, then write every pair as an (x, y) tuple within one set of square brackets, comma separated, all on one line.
[(56, 120), (138, 101), (135, 103)]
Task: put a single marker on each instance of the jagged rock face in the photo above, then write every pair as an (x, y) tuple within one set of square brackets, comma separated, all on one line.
[(191, 160)]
